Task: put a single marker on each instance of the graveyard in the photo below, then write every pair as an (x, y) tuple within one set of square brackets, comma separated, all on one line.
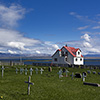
[(39, 83)]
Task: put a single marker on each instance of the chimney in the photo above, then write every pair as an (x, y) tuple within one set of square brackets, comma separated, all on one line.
[(66, 45)]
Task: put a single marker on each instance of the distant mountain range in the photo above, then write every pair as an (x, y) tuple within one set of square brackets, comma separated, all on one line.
[(9, 55)]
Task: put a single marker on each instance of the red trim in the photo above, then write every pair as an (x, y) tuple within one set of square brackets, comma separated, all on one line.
[(56, 52)]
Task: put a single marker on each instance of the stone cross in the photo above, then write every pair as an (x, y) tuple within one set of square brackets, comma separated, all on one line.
[(36, 70), (60, 73), (21, 70), (83, 77), (26, 71), (66, 73), (72, 75), (41, 70), (31, 71), (29, 83), (16, 70), (2, 70)]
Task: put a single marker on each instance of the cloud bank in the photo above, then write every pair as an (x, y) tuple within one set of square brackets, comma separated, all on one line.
[(12, 41)]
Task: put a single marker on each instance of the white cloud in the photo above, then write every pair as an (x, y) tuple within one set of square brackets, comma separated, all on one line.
[(86, 37), (9, 16), (12, 52), (87, 44), (96, 27), (82, 28), (38, 52)]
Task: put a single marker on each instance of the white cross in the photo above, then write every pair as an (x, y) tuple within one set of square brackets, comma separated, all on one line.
[(66, 73), (36, 70), (83, 77), (31, 71), (41, 70), (2, 70), (16, 70), (26, 71), (29, 83), (21, 70), (60, 73)]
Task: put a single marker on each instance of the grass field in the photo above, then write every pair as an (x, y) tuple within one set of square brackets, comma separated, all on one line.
[(48, 86)]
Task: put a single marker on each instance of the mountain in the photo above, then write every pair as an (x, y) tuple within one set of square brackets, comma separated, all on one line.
[(9, 55)]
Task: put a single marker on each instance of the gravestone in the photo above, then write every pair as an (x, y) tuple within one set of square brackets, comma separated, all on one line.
[(94, 72), (29, 83), (2, 70), (50, 69), (83, 77), (72, 75), (31, 71), (36, 70), (60, 73), (16, 70), (78, 75), (66, 72), (41, 70), (85, 74), (88, 71), (99, 73), (21, 70), (26, 71)]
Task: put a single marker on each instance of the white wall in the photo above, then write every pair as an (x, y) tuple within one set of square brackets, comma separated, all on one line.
[(78, 62)]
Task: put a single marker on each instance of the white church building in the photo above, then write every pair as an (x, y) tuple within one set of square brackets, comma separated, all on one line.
[(68, 55)]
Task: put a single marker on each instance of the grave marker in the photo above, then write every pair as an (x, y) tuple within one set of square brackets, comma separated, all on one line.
[(66, 72), (94, 72), (31, 71), (29, 83), (41, 70), (83, 77), (21, 70), (26, 71), (60, 73), (72, 75), (36, 70), (16, 70), (2, 70)]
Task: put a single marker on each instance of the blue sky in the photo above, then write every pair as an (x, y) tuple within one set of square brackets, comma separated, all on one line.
[(43, 26)]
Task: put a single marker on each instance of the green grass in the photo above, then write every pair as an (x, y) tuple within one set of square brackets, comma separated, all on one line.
[(48, 86)]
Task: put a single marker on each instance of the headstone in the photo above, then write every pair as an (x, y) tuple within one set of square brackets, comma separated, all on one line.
[(83, 77), (50, 69), (60, 73), (16, 70), (99, 73), (72, 75), (66, 72), (26, 71), (85, 74), (2, 70), (21, 70), (36, 70), (31, 71), (29, 83), (88, 71), (78, 75), (94, 72), (41, 70)]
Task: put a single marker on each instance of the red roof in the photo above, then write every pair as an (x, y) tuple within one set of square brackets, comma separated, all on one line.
[(72, 50)]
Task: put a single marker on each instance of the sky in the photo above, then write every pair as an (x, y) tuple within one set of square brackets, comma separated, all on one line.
[(43, 26)]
